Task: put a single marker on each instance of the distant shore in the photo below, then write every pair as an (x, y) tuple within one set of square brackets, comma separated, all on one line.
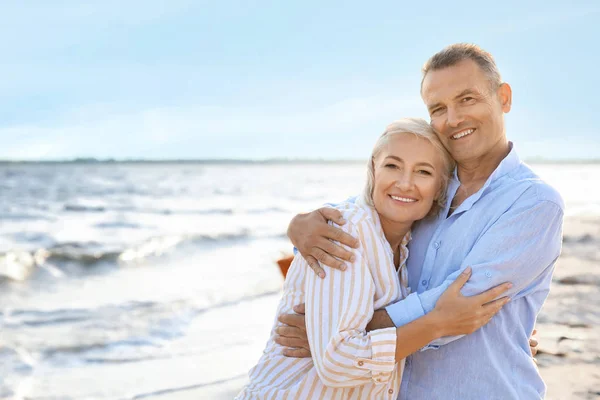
[(228, 161)]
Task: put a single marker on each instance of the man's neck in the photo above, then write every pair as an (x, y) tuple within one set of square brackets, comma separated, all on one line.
[(476, 171)]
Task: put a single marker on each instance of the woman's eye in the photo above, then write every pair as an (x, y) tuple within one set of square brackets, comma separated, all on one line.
[(424, 172), (391, 166)]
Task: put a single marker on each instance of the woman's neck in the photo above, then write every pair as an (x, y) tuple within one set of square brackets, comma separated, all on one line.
[(394, 233)]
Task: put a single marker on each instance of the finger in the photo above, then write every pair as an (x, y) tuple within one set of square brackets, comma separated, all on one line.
[(492, 293), (490, 309), (326, 259), (291, 342), (300, 308), (337, 251), (493, 307), (534, 332), (331, 214), (339, 235), (315, 266), (533, 342), (297, 353), (290, 332), (460, 281), (294, 320), (533, 351)]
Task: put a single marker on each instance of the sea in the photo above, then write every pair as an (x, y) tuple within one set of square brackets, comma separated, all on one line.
[(138, 280)]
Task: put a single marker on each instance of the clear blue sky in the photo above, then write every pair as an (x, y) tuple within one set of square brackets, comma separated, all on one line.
[(261, 79)]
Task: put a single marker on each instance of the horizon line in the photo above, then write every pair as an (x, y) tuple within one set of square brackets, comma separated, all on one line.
[(273, 160)]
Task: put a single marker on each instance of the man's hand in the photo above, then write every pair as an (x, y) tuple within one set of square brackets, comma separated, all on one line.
[(293, 336), (460, 315), (533, 344), (313, 237)]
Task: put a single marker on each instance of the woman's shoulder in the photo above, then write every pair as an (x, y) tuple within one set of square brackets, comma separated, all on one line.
[(358, 217)]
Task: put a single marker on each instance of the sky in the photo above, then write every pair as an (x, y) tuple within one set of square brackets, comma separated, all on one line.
[(192, 79)]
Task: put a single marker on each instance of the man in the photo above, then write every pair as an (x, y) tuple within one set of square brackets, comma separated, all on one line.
[(499, 218)]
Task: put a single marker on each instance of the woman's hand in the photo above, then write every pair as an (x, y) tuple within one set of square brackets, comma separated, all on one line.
[(313, 237), (293, 336), (460, 315)]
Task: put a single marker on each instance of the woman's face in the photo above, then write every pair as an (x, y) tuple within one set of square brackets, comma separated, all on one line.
[(408, 178)]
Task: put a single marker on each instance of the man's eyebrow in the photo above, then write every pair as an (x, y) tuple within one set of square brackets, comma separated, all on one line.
[(464, 93), (461, 94)]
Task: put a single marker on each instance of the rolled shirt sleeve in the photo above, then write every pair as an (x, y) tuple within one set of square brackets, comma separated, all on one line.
[(521, 247)]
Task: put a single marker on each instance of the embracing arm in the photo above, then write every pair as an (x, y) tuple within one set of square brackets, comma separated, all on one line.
[(525, 258), (314, 239), (339, 307)]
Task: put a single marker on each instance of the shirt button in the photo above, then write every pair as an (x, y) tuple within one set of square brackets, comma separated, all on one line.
[(423, 282), (436, 245), (488, 274), (391, 391), (360, 363)]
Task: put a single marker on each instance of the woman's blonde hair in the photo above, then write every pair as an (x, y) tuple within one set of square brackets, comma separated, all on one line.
[(420, 128)]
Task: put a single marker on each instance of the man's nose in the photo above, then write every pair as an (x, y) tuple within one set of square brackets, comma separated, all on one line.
[(454, 117)]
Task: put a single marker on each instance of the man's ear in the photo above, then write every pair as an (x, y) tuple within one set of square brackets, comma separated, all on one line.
[(505, 96)]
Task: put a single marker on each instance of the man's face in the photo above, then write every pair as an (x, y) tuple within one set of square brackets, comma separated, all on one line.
[(466, 112)]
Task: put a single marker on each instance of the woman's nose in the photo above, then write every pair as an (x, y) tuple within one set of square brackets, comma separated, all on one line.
[(405, 181)]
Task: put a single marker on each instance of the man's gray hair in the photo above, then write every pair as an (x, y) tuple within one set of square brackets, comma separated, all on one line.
[(420, 128), (455, 53)]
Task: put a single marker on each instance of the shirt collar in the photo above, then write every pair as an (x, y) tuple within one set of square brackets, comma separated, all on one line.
[(507, 165)]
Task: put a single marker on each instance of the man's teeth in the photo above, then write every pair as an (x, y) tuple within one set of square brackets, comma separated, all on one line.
[(463, 134), (403, 199)]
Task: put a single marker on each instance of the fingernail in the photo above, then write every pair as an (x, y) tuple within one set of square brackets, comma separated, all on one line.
[(467, 270), (321, 274), (352, 258), (509, 285), (341, 221), (343, 267)]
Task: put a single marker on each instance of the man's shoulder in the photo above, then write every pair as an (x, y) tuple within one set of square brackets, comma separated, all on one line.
[(535, 188)]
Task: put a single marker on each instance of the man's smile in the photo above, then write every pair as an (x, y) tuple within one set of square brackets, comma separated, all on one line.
[(462, 134)]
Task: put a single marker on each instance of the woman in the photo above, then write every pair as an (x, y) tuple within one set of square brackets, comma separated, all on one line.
[(407, 177)]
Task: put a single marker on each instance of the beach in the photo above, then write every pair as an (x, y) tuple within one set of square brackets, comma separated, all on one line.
[(159, 281)]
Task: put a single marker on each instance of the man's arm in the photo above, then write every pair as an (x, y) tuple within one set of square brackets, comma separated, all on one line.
[(521, 257), (314, 237)]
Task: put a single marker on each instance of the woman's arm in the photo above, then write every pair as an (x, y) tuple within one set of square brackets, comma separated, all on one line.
[(339, 307)]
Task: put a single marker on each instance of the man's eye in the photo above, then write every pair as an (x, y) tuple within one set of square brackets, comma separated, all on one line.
[(467, 99), (436, 111)]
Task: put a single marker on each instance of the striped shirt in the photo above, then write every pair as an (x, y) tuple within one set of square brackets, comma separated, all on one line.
[(347, 362)]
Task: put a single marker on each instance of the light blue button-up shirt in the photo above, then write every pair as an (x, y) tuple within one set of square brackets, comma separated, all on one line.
[(509, 231)]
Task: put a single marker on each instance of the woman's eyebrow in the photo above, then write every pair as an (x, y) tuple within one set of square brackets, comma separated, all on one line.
[(422, 163)]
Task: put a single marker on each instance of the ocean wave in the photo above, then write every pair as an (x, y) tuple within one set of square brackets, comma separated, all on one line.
[(19, 265), (83, 208)]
